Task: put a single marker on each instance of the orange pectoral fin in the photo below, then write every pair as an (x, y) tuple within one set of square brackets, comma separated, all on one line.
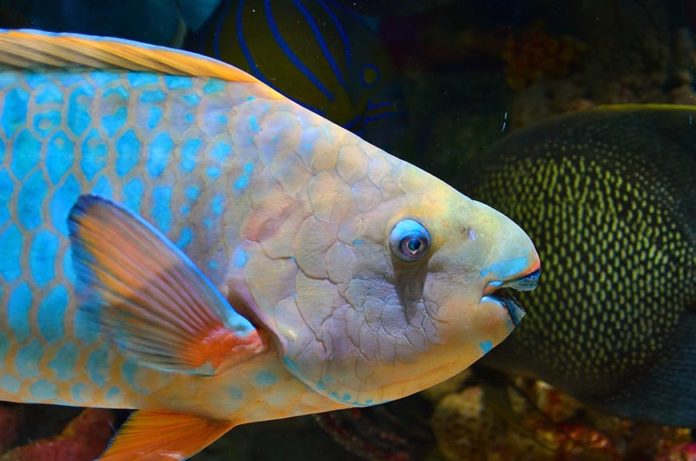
[(150, 300), (161, 435)]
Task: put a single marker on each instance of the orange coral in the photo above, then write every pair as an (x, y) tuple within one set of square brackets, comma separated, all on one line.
[(533, 54)]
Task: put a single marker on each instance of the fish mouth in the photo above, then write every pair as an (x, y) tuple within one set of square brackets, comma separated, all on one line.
[(506, 300), (527, 282), (502, 296)]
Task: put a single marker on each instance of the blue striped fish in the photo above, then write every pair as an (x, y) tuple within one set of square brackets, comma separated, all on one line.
[(317, 52)]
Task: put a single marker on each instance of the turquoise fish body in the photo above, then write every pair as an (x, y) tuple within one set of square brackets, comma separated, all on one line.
[(365, 278), (169, 149)]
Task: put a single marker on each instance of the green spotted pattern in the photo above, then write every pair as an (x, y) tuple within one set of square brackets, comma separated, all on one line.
[(608, 199)]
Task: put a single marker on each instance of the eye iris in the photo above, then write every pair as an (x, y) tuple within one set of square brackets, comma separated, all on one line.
[(409, 240)]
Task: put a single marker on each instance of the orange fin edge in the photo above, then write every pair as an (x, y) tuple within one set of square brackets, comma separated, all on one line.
[(32, 49), (162, 435), (153, 303)]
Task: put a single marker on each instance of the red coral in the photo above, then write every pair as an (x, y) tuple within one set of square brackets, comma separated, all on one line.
[(10, 423), (84, 439), (682, 452)]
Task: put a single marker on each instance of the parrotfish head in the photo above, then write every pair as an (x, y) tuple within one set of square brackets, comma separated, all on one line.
[(394, 289)]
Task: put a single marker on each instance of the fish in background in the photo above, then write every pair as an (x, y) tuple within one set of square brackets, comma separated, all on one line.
[(160, 22), (177, 237), (609, 197), (319, 53)]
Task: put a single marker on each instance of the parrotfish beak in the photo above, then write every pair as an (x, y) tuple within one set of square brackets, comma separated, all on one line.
[(512, 265), (514, 309), (526, 281)]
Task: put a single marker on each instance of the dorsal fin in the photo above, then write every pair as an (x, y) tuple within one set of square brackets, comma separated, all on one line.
[(38, 50)]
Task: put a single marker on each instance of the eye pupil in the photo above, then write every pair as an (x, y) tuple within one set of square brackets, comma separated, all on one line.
[(409, 240), (414, 245)]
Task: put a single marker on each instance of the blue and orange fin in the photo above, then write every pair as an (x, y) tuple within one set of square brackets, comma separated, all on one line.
[(37, 50), (148, 297), (161, 435)]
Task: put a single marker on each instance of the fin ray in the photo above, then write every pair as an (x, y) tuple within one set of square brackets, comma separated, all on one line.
[(37, 50), (151, 300), (161, 435)]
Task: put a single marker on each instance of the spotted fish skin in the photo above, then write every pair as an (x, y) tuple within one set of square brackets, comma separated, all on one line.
[(609, 196), (132, 137), (290, 217)]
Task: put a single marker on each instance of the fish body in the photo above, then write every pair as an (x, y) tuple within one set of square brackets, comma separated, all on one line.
[(162, 22), (177, 237), (609, 196), (318, 53)]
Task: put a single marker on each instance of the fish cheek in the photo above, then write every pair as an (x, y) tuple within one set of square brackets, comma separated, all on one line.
[(344, 338), (391, 322), (466, 321)]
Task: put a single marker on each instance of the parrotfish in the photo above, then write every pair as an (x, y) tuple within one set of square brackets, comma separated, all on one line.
[(177, 237), (609, 197)]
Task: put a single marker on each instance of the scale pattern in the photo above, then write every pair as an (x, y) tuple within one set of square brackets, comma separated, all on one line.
[(158, 144)]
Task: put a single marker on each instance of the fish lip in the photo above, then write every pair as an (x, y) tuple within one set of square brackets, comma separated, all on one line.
[(506, 300), (526, 282), (499, 292)]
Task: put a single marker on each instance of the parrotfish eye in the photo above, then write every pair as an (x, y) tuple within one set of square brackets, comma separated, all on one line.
[(409, 240)]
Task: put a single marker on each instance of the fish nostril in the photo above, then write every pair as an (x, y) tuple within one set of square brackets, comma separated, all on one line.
[(525, 283)]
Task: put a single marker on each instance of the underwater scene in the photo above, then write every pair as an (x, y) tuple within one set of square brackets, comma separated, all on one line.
[(382, 230)]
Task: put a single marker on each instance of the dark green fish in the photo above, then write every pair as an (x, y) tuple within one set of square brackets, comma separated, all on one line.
[(609, 198)]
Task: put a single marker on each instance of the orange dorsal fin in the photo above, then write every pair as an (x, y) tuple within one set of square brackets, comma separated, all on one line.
[(160, 435), (37, 50)]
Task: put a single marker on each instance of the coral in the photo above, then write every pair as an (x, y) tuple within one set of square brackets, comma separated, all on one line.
[(530, 420), (466, 430), (486, 416), (83, 439), (681, 452), (636, 58), (10, 423), (532, 54)]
